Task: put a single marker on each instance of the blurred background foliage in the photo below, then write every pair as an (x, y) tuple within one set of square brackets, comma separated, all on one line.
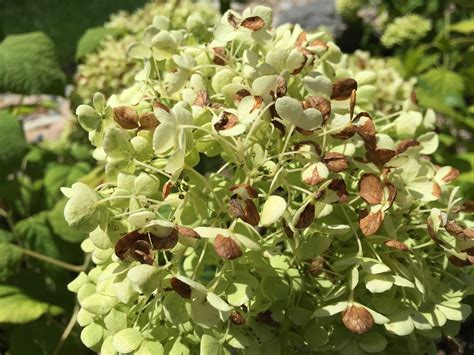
[(50, 45)]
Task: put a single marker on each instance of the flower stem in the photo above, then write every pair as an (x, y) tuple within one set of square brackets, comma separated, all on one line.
[(64, 265)]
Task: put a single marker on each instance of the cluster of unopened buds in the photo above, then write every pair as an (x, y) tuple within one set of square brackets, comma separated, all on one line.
[(288, 219)]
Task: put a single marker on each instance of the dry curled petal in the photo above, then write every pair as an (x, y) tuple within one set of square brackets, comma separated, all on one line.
[(236, 318), (392, 193), (342, 89), (406, 144), (286, 228), (306, 217), (202, 99), (239, 95), (371, 189), (244, 190), (227, 120), (166, 243), (369, 223), (227, 248), (451, 175), (468, 206), (123, 245), (336, 162), (316, 267), (181, 288), (319, 103), (280, 86), (166, 189), (148, 121), (380, 156), (233, 20), (126, 117), (346, 133), (436, 190), (366, 130), (312, 146), (142, 252), (254, 23), (300, 39), (279, 126), (161, 106), (357, 319), (339, 186), (219, 56), (187, 232), (396, 244)]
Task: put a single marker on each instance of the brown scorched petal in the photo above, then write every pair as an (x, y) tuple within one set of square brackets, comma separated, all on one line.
[(306, 217), (319, 103), (181, 288), (148, 121), (236, 318), (227, 248), (168, 242), (342, 89), (254, 23), (227, 120), (142, 252), (406, 144), (336, 162), (339, 186), (357, 319), (280, 86), (371, 189), (369, 223), (202, 99), (126, 117), (396, 244), (219, 56)]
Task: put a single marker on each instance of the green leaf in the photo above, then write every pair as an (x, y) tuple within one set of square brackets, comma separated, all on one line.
[(127, 340), (442, 88), (28, 65), (331, 309), (13, 147), (210, 345), (11, 256), (400, 323), (466, 26), (372, 342), (316, 336), (18, 307)]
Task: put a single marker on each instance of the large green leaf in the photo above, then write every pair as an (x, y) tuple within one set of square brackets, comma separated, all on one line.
[(11, 256), (18, 307), (28, 65), (13, 146)]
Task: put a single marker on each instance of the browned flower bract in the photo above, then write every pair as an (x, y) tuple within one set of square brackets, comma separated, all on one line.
[(181, 288), (357, 319), (227, 248)]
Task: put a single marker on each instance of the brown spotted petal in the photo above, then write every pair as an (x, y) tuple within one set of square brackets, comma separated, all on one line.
[(339, 186), (181, 288), (166, 189), (300, 40), (227, 248), (168, 242), (123, 245), (406, 144), (336, 162), (233, 20), (342, 89), (236, 318), (244, 190), (467, 262), (280, 86), (142, 252), (236, 207), (371, 189), (450, 175), (227, 120), (346, 133), (308, 146), (126, 117), (468, 233), (148, 121), (161, 106), (219, 56), (202, 99), (254, 23), (314, 174), (306, 217), (380, 156), (396, 244), (319, 103), (370, 222), (187, 232), (239, 95), (455, 229), (432, 232), (357, 319), (251, 215)]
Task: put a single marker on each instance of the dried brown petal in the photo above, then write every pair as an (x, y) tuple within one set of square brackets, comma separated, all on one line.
[(280, 86), (236, 207), (239, 95), (318, 43), (254, 23), (258, 103), (301, 67), (366, 131), (306, 217), (357, 319), (468, 206), (266, 318), (236, 318), (166, 189), (454, 229), (314, 178), (469, 233), (159, 105), (432, 232), (227, 120), (286, 228), (458, 262), (406, 144), (352, 104), (319, 103), (392, 192), (142, 252), (181, 288), (369, 223), (227, 248), (148, 121), (232, 19), (279, 126), (342, 89), (436, 190), (380, 156), (202, 99), (371, 189), (339, 186), (123, 245), (312, 145), (219, 56), (126, 117), (187, 232), (244, 191), (304, 132), (346, 133), (300, 39), (336, 162), (452, 175), (165, 243), (251, 215), (396, 244)]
